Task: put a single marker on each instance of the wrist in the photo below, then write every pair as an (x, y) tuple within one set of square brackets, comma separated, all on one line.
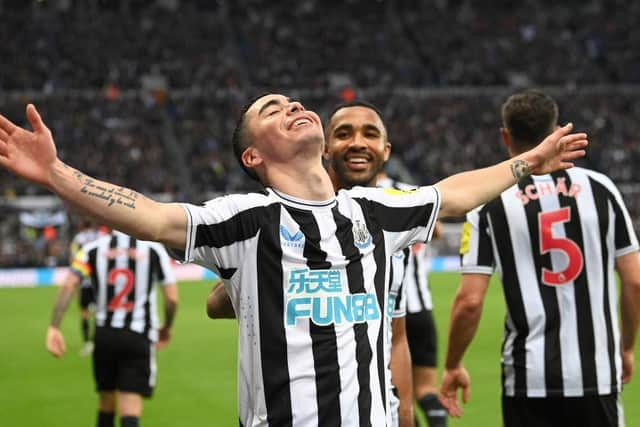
[(522, 166)]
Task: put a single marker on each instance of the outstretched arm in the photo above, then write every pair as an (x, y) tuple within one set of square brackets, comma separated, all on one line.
[(465, 317), (55, 339), (32, 155), (467, 190)]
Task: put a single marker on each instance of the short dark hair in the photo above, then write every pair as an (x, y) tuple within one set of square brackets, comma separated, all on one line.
[(350, 104), (529, 116), (239, 139)]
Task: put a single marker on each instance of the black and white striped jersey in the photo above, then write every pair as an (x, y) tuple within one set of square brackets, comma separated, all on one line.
[(123, 271), (554, 239), (416, 264), (309, 285), (80, 239)]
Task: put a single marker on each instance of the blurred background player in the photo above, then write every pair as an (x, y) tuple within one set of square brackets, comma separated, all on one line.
[(422, 333), (87, 231), (123, 272), (555, 240)]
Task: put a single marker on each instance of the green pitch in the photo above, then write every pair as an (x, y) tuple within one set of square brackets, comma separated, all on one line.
[(197, 372)]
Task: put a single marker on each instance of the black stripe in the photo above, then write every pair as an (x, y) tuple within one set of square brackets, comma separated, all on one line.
[(549, 297), (323, 338), (364, 353), (622, 236), (511, 286), (92, 257), (239, 227), (398, 219), (227, 273), (111, 288), (485, 248), (155, 273), (131, 297), (586, 338), (409, 257), (380, 257), (601, 198), (273, 340)]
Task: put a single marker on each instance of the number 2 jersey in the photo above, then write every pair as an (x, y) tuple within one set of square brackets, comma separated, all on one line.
[(309, 282), (554, 239), (123, 272)]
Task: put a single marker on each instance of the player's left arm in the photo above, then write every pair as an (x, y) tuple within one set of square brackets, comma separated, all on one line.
[(465, 318), (170, 293), (55, 339), (464, 191), (628, 267), (401, 371)]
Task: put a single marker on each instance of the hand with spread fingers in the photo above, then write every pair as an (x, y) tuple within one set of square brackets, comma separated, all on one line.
[(28, 154)]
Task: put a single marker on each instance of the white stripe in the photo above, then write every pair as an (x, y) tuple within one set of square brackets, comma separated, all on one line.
[(613, 297), (595, 279), (531, 300)]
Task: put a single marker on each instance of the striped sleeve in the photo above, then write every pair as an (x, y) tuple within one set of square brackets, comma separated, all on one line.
[(476, 251), (625, 238), (220, 231), (407, 216)]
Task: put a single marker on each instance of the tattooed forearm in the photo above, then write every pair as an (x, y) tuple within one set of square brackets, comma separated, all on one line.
[(62, 302), (110, 194), (520, 169)]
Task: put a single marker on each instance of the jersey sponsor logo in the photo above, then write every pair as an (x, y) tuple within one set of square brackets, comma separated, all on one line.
[(295, 240), (397, 192), (464, 239), (540, 189), (321, 295), (361, 236)]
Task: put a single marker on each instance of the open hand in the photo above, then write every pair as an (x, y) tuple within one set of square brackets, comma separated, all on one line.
[(557, 151), (30, 155)]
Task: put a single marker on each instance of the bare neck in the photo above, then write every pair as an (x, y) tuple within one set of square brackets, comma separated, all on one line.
[(305, 183)]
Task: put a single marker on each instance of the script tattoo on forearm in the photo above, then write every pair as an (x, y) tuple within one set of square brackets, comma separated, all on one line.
[(112, 195), (60, 307), (520, 169)]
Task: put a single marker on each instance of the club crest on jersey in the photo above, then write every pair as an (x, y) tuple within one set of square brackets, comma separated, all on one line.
[(295, 240), (361, 236), (322, 297)]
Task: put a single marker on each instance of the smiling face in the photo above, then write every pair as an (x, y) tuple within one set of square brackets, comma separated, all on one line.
[(277, 129), (357, 146)]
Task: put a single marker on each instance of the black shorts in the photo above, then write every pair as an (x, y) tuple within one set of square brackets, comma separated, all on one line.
[(422, 338), (587, 411), (123, 360), (86, 297)]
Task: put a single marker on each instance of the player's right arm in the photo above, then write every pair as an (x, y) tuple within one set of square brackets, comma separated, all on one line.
[(55, 339), (33, 156), (628, 267)]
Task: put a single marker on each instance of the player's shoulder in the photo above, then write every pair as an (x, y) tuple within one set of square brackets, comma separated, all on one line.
[(599, 177), (240, 201)]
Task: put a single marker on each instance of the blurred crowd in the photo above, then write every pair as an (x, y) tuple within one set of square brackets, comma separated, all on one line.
[(146, 93)]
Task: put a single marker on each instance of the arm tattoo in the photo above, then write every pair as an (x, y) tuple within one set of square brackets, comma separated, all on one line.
[(60, 306), (520, 169), (110, 194)]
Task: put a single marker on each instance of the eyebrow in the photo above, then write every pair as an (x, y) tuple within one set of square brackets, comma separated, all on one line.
[(349, 126), (270, 103)]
